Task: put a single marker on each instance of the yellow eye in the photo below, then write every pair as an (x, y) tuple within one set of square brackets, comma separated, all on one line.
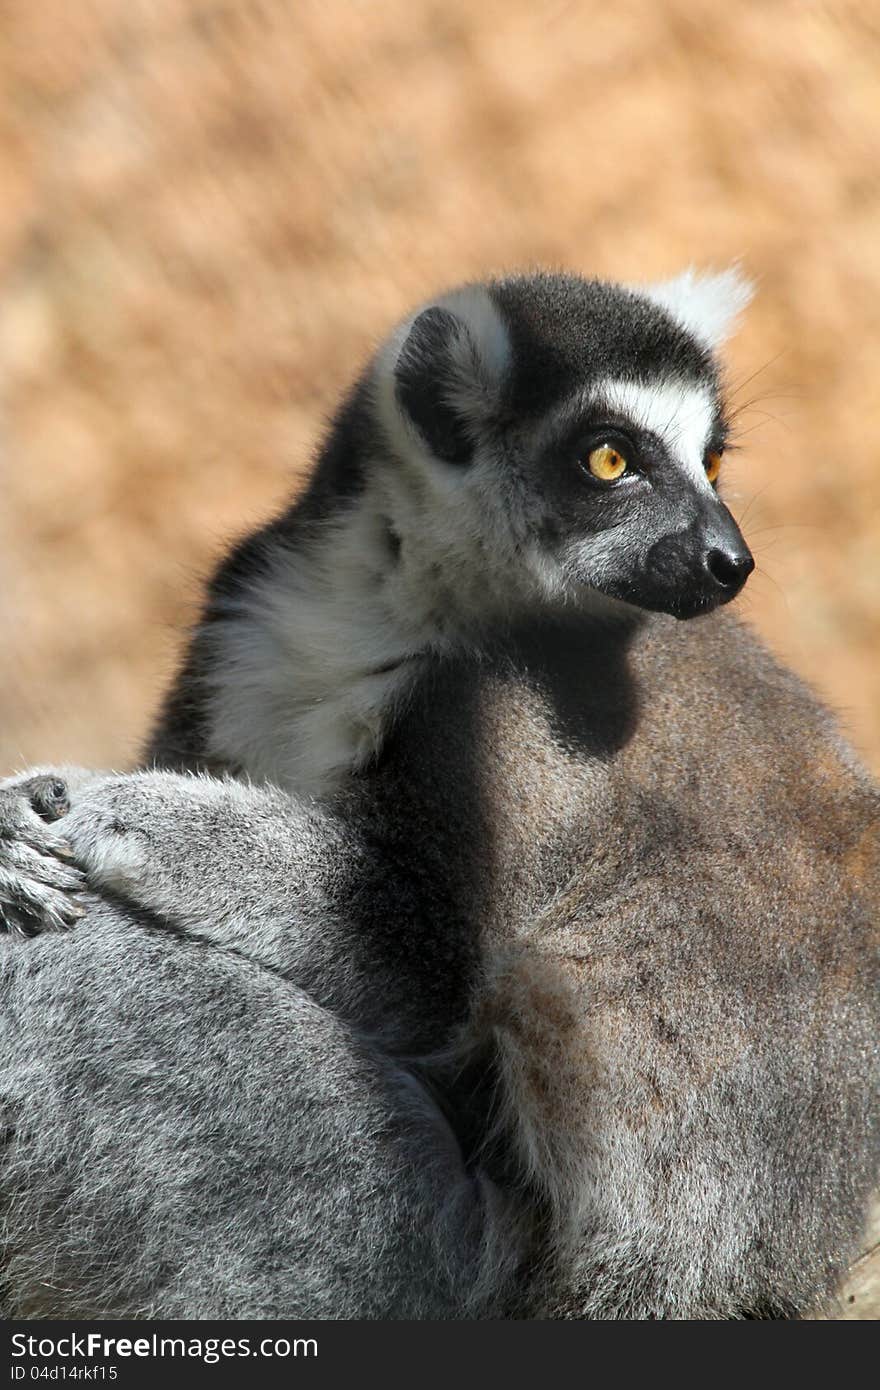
[(606, 463), (713, 467)]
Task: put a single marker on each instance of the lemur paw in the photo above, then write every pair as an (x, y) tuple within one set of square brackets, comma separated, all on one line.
[(38, 883)]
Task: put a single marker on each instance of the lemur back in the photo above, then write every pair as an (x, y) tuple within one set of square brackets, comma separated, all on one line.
[(667, 984)]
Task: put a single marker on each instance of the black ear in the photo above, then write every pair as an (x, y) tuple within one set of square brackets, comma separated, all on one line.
[(428, 380)]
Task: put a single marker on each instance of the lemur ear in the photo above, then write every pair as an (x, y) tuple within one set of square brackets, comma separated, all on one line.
[(447, 372), (706, 303), (425, 381)]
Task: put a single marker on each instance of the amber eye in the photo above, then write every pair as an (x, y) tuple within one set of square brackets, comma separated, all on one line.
[(713, 467), (606, 463)]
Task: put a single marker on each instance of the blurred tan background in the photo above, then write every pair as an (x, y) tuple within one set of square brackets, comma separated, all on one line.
[(209, 212)]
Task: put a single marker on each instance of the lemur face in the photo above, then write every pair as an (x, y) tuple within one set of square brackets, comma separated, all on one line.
[(576, 430), (630, 471)]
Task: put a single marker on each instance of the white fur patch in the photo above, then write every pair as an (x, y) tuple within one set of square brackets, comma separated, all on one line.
[(705, 303), (303, 688), (678, 412), (478, 311)]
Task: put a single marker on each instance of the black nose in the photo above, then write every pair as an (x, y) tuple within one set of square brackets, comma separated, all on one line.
[(729, 569)]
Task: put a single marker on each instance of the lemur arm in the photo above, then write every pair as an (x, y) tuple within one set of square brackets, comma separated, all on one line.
[(240, 866)]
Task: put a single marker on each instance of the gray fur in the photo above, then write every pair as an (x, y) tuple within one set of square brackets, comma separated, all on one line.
[(281, 1167), (566, 1004)]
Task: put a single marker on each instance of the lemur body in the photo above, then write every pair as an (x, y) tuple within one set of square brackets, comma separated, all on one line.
[(549, 987)]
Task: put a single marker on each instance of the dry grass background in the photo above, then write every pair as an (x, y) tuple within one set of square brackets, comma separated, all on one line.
[(209, 211)]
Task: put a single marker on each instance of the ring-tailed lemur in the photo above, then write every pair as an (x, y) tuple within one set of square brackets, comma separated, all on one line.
[(519, 447), (463, 485), (555, 979)]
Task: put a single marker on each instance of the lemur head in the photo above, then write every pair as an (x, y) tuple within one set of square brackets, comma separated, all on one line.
[(569, 433)]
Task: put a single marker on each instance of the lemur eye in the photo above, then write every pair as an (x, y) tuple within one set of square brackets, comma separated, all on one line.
[(713, 467), (606, 463)]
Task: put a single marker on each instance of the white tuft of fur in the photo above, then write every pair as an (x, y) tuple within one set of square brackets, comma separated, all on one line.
[(706, 303)]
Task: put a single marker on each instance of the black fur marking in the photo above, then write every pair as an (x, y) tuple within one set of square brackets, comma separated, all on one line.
[(245, 563), (565, 331), (342, 466)]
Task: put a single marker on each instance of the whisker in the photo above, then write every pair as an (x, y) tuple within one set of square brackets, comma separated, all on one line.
[(737, 386)]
